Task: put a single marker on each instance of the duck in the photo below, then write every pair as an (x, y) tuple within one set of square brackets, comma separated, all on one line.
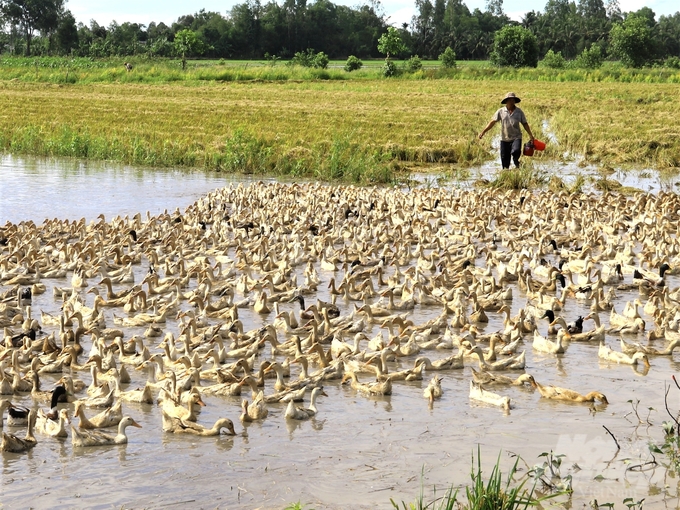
[(172, 407), (17, 416), (294, 412), (517, 362), (477, 392), (542, 344), (434, 389), (595, 334), (178, 426), (222, 389), (453, 362), (50, 427), (138, 396), (87, 438), (107, 418), (490, 378), (557, 393), (606, 353), (383, 387), (256, 410), (16, 444), (631, 349), (106, 400)]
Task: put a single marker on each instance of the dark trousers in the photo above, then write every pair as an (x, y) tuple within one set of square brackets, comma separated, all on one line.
[(508, 149)]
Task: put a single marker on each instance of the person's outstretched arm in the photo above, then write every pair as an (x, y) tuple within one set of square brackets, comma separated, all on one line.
[(488, 126), (528, 130)]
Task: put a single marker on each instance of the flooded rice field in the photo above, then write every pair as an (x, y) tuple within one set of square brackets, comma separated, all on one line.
[(440, 250)]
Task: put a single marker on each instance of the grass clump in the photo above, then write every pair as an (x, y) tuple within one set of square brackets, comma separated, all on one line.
[(518, 178), (494, 493), (556, 183)]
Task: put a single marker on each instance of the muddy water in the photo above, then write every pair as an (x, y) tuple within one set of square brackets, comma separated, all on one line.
[(359, 452)]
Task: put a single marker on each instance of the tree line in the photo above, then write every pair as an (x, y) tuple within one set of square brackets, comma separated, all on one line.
[(253, 30)]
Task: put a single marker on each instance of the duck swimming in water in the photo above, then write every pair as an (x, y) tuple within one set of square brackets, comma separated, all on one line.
[(86, 438)]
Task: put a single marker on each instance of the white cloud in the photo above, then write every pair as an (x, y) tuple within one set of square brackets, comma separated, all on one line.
[(516, 15), (400, 16)]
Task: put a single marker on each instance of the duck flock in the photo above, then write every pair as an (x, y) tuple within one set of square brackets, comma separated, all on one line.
[(224, 299)]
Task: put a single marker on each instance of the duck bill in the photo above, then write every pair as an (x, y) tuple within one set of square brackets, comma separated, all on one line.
[(200, 402), (135, 424)]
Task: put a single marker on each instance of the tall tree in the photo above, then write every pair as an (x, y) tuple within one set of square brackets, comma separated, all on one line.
[(632, 41), (32, 16), (67, 33)]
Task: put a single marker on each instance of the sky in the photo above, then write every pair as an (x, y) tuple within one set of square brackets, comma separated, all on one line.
[(399, 11)]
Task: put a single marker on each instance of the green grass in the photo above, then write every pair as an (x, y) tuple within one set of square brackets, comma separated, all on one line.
[(147, 70), (492, 493)]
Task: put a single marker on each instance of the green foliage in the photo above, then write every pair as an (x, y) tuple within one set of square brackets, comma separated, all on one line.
[(251, 29), (390, 43), (353, 64), (295, 506), (553, 60), (448, 58), (310, 59), (32, 16), (632, 41), (494, 494), (389, 69), (187, 43), (271, 59), (414, 64), (515, 46), (589, 58), (672, 63), (320, 61)]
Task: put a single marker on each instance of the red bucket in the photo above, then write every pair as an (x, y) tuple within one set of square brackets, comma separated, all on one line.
[(539, 145), (528, 149)]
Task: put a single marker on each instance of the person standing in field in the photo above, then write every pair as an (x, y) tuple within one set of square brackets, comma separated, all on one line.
[(510, 118)]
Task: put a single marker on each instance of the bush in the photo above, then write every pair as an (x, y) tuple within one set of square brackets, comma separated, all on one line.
[(672, 62), (414, 64), (448, 58), (589, 58), (553, 60), (389, 69), (309, 59), (320, 60), (515, 46), (271, 59), (353, 64)]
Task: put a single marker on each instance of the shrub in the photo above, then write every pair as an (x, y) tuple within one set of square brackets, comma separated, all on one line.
[(389, 69), (309, 59), (271, 59), (320, 60), (448, 58), (553, 60), (414, 64), (353, 64), (515, 46), (589, 58), (672, 62)]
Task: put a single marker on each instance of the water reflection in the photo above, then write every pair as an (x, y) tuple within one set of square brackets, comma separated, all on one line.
[(40, 188)]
